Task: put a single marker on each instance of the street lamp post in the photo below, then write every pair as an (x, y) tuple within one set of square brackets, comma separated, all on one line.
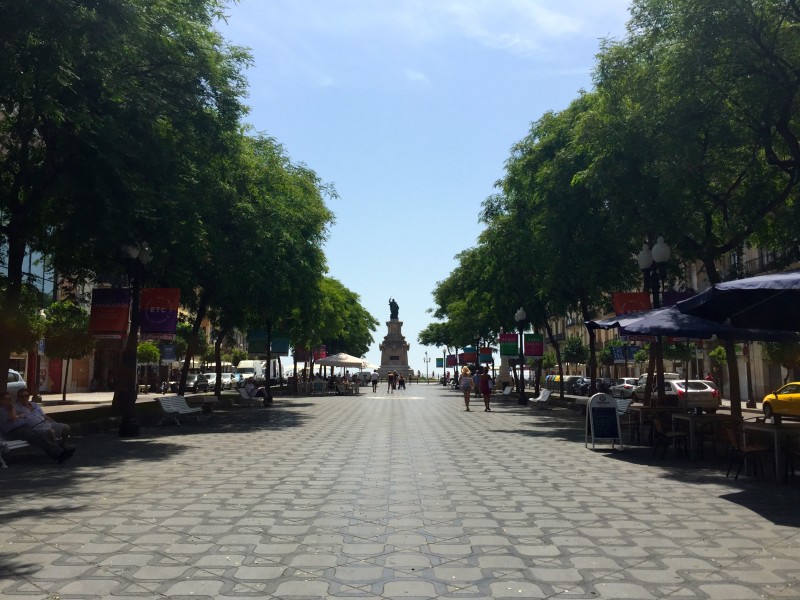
[(520, 317), (125, 394), (427, 360), (653, 264)]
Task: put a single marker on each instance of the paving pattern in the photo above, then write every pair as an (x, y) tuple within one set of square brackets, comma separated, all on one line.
[(388, 496)]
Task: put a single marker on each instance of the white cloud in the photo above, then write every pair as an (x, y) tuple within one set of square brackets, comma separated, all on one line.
[(519, 26)]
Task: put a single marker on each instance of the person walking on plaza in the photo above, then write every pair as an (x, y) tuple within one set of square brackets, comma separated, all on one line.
[(465, 383), (485, 388), (390, 382), (374, 376), (18, 422)]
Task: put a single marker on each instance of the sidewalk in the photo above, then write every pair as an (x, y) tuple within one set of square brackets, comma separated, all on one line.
[(388, 496)]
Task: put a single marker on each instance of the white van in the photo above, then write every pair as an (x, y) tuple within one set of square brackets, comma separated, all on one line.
[(249, 368)]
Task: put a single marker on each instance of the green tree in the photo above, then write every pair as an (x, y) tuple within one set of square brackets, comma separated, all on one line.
[(575, 351), (148, 352), (109, 112), (786, 354), (67, 335)]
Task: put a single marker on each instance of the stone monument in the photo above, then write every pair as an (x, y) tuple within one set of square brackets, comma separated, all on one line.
[(394, 349)]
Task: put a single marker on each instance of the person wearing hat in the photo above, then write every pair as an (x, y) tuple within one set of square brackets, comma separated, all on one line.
[(23, 420)]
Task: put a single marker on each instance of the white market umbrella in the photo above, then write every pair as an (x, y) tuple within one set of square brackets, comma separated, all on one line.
[(340, 360)]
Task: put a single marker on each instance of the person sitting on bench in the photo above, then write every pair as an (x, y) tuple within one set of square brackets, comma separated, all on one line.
[(18, 422)]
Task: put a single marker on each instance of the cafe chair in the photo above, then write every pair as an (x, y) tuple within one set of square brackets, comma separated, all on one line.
[(666, 438), (791, 457), (740, 452)]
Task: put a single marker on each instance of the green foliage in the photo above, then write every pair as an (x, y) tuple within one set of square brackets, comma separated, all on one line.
[(20, 322), (237, 355), (575, 351), (549, 360), (718, 357), (786, 354), (642, 355), (605, 356), (147, 352), (67, 331), (679, 352)]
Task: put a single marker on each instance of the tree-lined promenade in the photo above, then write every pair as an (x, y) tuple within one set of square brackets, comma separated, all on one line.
[(691, 133), (122, 125)]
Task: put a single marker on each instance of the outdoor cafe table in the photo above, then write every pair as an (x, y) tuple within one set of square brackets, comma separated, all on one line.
[(643, 415), (694, 421), (778, 432)]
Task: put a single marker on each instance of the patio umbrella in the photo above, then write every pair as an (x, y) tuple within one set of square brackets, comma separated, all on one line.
[(671, 322), (762, 302), (340, 360)]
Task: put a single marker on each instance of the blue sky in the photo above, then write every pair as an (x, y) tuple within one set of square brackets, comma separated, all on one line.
[(409, 109)]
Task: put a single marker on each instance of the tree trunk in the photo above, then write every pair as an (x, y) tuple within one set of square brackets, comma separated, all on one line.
[(268, 382), (191, 348), (64, 386)]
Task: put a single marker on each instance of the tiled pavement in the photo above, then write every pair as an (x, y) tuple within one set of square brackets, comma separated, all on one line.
[(388, 496)]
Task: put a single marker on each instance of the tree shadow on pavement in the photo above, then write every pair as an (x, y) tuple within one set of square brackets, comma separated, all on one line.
[(31, 471)]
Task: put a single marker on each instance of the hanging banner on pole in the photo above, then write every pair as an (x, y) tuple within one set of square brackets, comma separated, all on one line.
[(440, 363), (109, 316), (509, 344), (534, 345), (630, 302), (485, 355), (451, 360), (158, 313)]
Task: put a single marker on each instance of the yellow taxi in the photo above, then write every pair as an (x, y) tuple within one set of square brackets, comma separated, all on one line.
[(784, 401)]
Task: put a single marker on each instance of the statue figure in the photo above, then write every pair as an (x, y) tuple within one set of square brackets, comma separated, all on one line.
[(393, 309)]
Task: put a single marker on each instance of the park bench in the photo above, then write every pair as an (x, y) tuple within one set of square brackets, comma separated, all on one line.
[(173, 406), (7, 445), (246, 399), (541, 400)]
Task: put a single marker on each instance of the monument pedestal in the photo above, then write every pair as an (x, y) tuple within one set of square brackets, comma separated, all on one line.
[(394, 350), (504, 377)]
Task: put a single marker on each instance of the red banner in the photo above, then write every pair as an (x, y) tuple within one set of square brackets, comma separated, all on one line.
[(630, 302), (109, 316), (451, 360)]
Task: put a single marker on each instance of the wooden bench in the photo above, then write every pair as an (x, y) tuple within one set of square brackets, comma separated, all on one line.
[(7, 445), (173, 406)]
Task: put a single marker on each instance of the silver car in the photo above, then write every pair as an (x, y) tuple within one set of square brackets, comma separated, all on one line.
[(695, 394), (623, 388)]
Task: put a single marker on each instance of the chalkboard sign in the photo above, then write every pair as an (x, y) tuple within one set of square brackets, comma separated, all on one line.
[(602, 420)]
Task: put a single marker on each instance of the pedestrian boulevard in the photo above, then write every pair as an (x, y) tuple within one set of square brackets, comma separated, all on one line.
[(401, 495)]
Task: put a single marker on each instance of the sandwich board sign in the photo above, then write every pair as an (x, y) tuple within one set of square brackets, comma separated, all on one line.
[(602, 420)]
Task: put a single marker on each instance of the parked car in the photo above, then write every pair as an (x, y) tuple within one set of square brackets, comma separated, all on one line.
[(569, 384), (15, 382), (212, 380), (783, 401), (638, 390), (582, 386), (695, 394), (623, 388), (228, 381), (604, 384), (195, 382)]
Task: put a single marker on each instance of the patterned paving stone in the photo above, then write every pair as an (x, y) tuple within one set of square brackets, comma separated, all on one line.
[(388, 497)]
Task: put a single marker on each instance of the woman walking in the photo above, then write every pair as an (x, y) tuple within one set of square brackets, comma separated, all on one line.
[(485, 388), (465, 383)]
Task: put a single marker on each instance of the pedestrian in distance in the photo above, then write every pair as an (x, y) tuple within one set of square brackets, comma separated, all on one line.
[(374, 376), (465, 383), (485, 388), (390, 382)]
